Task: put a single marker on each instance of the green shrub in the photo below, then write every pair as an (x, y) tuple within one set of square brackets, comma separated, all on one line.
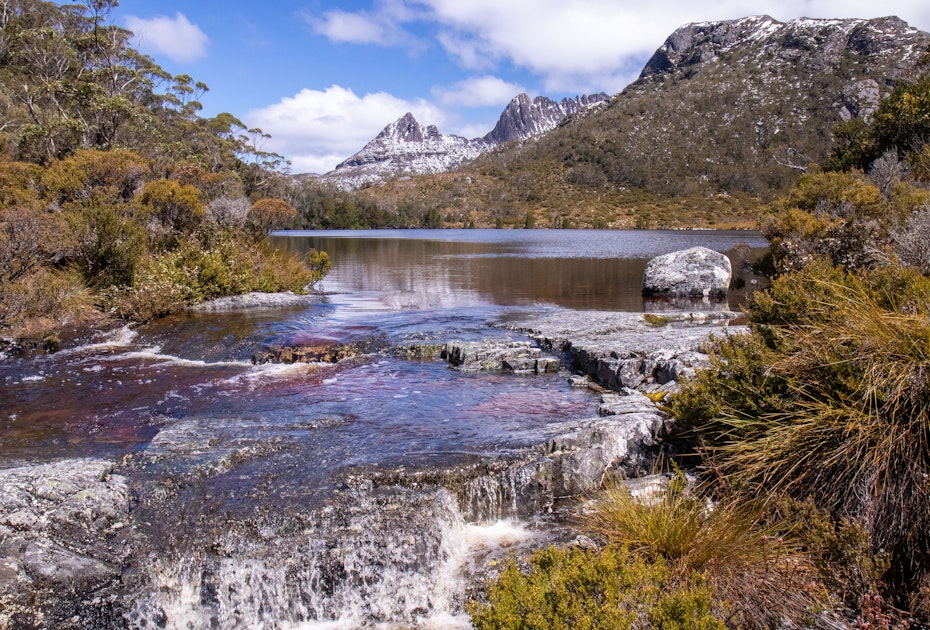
[(195, 271), (109, 243), (581, 589), (828, 399)]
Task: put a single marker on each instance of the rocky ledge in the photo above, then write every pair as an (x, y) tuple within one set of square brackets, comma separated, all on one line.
[(256, 300), (59, 542), (648, 352)]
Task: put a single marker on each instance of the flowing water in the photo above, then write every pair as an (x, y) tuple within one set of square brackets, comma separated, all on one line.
[(330, 495)]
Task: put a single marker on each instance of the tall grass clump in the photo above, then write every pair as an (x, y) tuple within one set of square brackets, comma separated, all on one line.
[(761, 576), (828, 400)]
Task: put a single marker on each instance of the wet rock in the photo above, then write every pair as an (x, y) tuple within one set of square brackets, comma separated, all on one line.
[(58, 545), (323, 351), (694, 272), (512, 356)]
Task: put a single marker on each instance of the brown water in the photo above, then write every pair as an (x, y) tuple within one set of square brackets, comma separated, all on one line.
[(277, 464)]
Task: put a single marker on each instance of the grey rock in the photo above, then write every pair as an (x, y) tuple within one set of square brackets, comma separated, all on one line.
[(255, 300), (57, 527), (697, 272), (512, 356)]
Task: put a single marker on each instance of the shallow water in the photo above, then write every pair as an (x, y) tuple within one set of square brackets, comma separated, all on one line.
[(269, 494)]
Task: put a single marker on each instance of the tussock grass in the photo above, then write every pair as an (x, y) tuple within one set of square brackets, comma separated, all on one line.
[(761, 577), (829, 400)]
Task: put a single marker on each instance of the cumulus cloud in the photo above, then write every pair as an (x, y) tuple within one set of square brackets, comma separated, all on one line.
[(601, 44), (478, 92), (176, 38), (318, 129)]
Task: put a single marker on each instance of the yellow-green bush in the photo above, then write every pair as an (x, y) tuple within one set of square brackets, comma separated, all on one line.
[(582, 589), (168, 281)]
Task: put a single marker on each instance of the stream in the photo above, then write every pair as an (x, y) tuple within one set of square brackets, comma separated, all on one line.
[(360, 493)]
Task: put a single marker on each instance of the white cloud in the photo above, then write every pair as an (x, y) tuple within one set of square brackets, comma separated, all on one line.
[(383, 26), (354, 28), (601, 44), (478, 92), (175, 37), (318, 129)]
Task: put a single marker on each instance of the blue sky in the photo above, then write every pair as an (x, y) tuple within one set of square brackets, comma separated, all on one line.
[(324, 77)]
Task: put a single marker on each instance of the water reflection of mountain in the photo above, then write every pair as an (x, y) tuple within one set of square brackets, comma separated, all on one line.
[(581, 270)]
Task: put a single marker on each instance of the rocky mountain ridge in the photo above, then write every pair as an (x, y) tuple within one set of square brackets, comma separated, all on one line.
[(405, 147)]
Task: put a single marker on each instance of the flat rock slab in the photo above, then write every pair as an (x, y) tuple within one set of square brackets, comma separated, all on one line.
[(255, 300), (633, 350)]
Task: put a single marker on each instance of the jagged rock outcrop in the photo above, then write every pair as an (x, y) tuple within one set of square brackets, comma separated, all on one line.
[(405, 147), (524, 118), (722, 109), (746, 104), (694, 272)]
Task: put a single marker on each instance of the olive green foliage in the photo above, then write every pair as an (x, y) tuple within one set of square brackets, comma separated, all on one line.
[(828, 399), (842, 217), (169, 210), (106, 174), (900, 124), (166, 282), (268, 215), (760, 576), (580, 589)]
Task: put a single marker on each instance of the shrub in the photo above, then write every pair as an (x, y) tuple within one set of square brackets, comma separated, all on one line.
[(228, 213), (168, 281), (911, 241), (761, 575), (170, 210), (579, 589), (268, 215), (37, 304), (109, 243), (829, 399), (116, 175)]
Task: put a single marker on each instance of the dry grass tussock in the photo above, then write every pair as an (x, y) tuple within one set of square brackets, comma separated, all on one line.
[(761, 576)]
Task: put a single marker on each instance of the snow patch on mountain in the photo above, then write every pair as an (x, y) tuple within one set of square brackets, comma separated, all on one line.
[(405, 147)]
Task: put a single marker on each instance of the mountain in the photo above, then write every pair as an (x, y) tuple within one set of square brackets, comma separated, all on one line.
[(405, 147), (523, 118), (723, 117), (742, 105)]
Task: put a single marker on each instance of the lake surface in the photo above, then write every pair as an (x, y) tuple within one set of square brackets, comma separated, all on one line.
[(576, 269), (259, 500)]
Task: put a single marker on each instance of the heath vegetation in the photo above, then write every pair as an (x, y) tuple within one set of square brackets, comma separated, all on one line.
[(116, 196)]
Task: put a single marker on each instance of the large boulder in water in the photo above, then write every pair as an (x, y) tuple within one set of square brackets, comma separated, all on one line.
[(695, 272)]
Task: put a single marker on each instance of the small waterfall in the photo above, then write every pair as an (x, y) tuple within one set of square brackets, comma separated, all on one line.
[(517, 492), (394, 557)]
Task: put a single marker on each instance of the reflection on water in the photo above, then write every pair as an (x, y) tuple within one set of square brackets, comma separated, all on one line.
[(434, 269)]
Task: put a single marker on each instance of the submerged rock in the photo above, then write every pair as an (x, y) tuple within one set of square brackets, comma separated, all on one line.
[(694, 272)]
